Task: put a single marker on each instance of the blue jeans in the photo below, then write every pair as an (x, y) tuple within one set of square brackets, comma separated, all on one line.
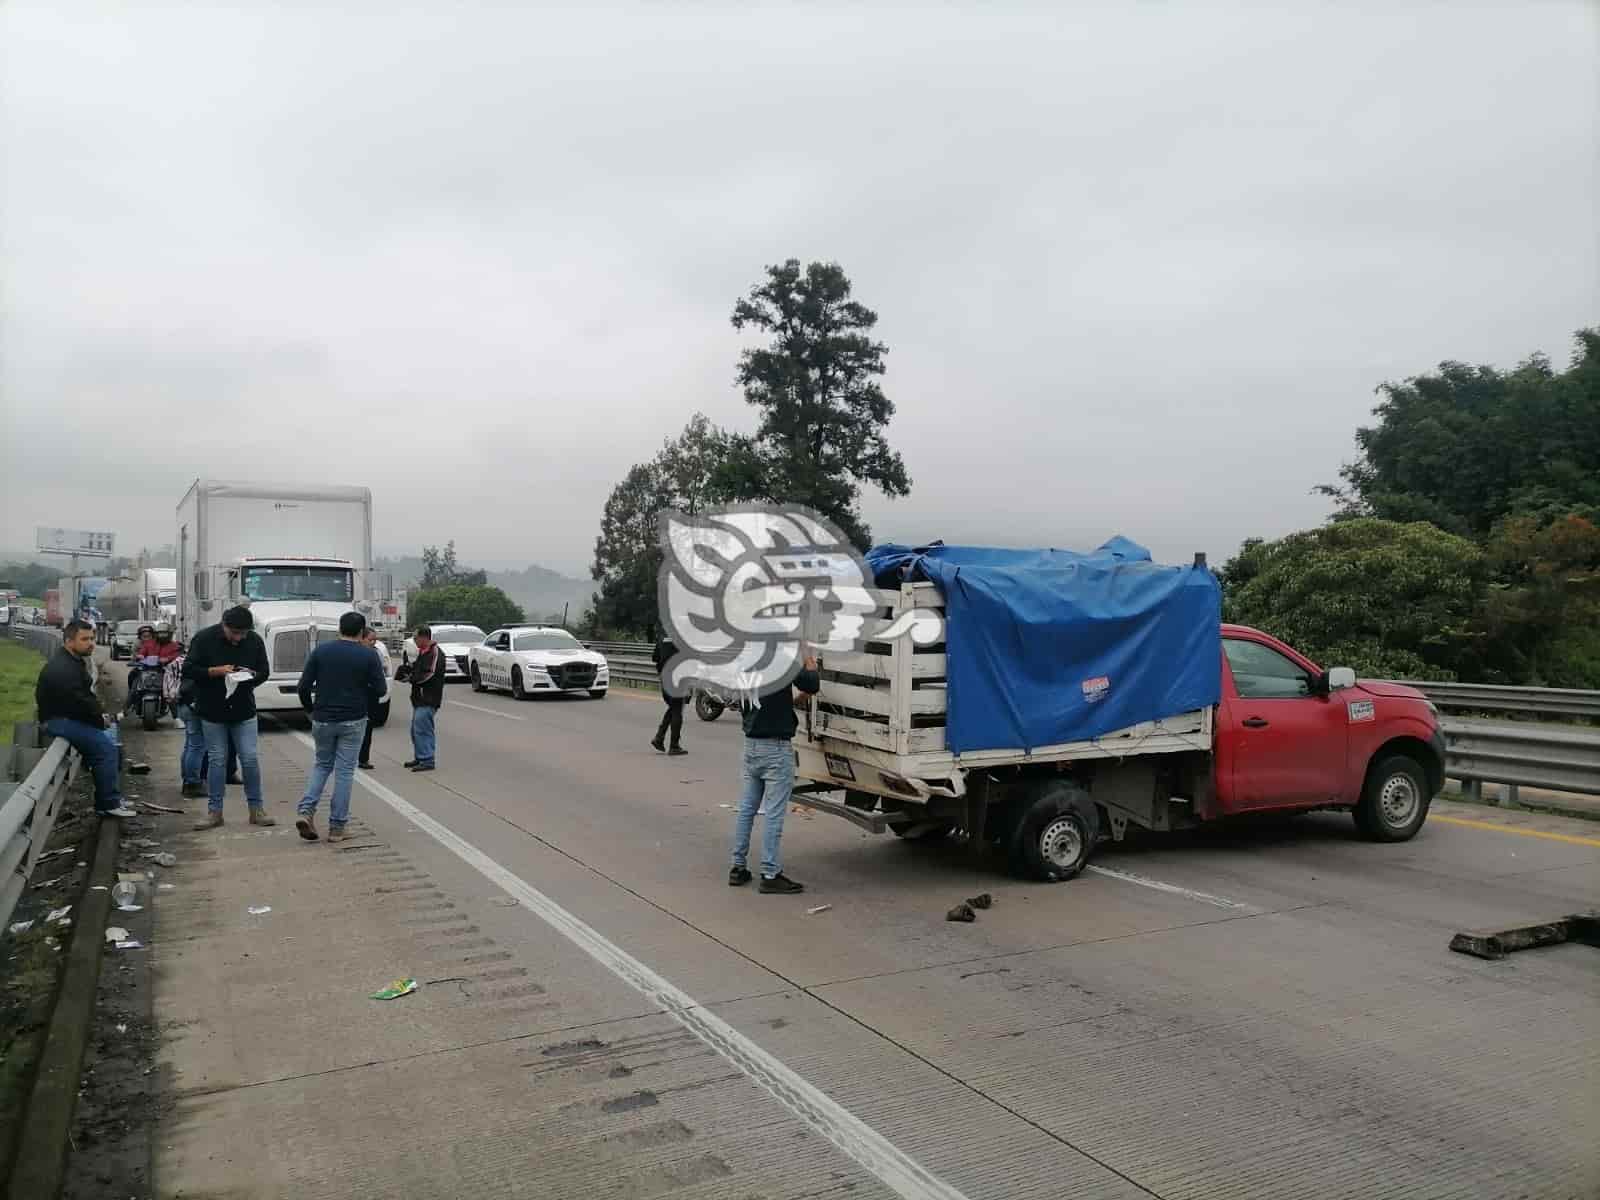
[(423, 743), (194, 744), (241, 736), (98, 750), (337, 743), (768, 784)]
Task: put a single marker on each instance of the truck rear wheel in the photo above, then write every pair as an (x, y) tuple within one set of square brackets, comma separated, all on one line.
[(1395, 801), (1054, 833)]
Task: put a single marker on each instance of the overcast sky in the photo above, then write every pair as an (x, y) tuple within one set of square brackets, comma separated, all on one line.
[(1139, 267)]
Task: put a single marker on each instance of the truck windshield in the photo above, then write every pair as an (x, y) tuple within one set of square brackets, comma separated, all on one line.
[(297, 583)]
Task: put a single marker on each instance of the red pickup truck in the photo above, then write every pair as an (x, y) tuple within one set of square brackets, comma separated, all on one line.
[(1286, 736)]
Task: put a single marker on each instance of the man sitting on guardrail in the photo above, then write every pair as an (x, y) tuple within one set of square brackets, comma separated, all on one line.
[(70, 710)]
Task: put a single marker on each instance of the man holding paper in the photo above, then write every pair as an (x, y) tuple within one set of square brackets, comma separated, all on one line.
[(226, 662)]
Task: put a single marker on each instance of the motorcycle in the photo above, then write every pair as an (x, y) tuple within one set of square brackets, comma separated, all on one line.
[(147, 691)]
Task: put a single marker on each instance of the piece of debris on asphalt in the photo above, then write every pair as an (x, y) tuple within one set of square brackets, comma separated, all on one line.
[(22, 927), (159, 807), (44, 883), (400, 987), (821, 908), (163, 859), (116, 933), (256, 910), (1493, 944), (961, 912), (122, 1029), (982, 900), (130, 945), (56, 914), (139, 768), (165, 887), (49, 854)]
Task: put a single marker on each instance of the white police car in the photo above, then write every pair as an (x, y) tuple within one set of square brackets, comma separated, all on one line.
[(527, 660)]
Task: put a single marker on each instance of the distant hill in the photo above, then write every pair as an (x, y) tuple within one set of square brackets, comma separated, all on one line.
[(540, 591)]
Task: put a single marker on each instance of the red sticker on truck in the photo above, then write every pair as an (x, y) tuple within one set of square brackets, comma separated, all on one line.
[(1094, 690), (1362, 710)]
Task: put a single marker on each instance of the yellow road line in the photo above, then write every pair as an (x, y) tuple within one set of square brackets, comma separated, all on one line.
[(1533, 833)]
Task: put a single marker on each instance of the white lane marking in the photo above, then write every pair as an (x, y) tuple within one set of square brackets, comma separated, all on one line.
[(1174, 889), (895, 1169), (493, 712)]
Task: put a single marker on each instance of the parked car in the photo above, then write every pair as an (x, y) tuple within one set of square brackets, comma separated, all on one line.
[(125, 638), (526, 660), (455, 640)]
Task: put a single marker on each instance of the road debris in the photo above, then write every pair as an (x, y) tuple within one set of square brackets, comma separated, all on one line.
[(21, 927), (57, 914), (400, 987), (116, 933), (982, 900), (139, 768), (256, 910), (163, 859), (961, 912), (159, 807), (821, 908), (44, 883)]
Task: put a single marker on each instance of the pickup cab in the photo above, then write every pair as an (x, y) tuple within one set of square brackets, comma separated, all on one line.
[(1286, 736)]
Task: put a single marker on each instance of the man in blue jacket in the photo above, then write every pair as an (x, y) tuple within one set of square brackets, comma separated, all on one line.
[(769, 728), (340, 682)]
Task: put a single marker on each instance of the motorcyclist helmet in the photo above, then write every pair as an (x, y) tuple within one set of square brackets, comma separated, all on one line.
[(147, 629), (163, 631)]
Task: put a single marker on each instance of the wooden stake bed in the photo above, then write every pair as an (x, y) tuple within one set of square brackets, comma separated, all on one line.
[(878, 724)]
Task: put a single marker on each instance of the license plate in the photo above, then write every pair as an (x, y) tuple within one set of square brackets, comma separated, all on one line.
[(839, 767)]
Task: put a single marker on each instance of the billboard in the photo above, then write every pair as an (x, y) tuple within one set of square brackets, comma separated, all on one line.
[(86, 542)]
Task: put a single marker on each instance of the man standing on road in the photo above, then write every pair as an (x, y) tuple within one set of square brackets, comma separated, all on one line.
[(426, 676), (673, 718), (769, 727), (369, 638), (227, 707), (340, 683), (70, 710)]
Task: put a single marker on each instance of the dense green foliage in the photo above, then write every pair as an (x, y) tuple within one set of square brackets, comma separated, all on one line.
[(1466, 541), (1390, 600), (486, 607)]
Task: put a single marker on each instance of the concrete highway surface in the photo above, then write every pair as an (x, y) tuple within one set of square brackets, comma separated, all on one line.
[(1262, 1011)]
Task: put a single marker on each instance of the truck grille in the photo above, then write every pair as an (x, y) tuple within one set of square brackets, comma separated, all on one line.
[(289, 650), (573, 675)]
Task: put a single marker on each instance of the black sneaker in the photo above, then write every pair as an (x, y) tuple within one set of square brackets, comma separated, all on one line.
[(366, 766), (739, 876), (193, 791), (410, 764), (421, 767), (659, 745), (676, 751), (235, 781), (780, 885)]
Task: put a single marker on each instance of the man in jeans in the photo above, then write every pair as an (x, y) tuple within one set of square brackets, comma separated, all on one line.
[(69, 710), (769, 727), (426, 675), (339, 684), (227, 707), (369, 638)]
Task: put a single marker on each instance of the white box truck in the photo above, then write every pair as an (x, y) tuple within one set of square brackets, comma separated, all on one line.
[(147, 595), (298, 557)]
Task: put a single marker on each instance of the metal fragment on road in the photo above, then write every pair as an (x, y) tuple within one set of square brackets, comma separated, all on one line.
[(821, 908), (256, 910), (961, 912)]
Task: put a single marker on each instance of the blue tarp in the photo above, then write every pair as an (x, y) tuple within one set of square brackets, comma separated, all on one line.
[(1050, 646)]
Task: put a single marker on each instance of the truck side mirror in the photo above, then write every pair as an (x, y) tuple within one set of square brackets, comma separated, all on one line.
[(233, 585), (1340, 678)]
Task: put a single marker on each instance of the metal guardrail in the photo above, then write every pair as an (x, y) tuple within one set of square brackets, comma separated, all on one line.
[(1517, 701), (1531, 752), (31, 795)]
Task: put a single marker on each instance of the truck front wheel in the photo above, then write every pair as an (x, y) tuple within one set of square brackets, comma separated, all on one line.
[(1054, 834), (1395, 802)]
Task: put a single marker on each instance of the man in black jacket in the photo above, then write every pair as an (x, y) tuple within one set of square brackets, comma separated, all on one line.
[(227, 706), (769, 728), (426, 675), (69, 710), (673, 718)]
